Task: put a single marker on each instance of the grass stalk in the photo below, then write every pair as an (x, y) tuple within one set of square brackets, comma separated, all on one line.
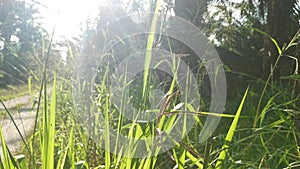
[(149, 47), (230, 134), (49, 130), (16, 126), (6, 160), (107, 137), (42, 88), (280, 54)]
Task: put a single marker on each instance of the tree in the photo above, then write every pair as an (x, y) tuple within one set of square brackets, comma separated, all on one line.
[(281, 24), (237, 24), (21, 36)]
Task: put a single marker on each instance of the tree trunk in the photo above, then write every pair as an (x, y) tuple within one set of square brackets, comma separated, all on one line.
[(282, 28)]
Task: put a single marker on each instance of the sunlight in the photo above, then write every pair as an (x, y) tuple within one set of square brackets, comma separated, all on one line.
[(67, 15)]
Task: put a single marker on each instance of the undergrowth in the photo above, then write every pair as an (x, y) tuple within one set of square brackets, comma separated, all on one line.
[(257, 131)]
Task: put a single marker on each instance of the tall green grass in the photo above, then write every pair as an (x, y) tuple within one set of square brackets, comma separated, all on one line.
[(48, 130), (264, 137), (230, 133)]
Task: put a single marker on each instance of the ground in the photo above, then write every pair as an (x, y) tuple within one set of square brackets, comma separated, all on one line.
[(23, 115)]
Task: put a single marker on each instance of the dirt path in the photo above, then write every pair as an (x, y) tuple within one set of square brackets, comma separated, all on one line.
[(23, 115)]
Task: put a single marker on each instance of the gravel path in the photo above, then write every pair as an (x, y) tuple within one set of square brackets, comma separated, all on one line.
[(23, 115)]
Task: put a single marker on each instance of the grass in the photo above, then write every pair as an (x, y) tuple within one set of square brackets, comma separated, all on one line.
[(12, 92), (261, 135), (230, 134), (71, 147)]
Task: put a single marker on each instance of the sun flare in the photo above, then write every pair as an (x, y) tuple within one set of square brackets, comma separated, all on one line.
[(66, 15)]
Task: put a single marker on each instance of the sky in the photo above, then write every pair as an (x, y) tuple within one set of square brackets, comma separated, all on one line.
[(67, 15)]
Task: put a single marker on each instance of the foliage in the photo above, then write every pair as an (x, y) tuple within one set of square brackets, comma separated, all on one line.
[(21, 38), (233, 26), (75, 133)]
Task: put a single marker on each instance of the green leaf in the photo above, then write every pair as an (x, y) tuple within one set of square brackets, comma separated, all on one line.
[(7, 162), (49, 131), (230, 134), (291, 77)]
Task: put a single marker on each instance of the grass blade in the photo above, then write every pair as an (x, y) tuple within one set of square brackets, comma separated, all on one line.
[(230, 133), (13, 121), (150, 41), (49, 131), (106, 131), (7, 163), (43, 86)]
